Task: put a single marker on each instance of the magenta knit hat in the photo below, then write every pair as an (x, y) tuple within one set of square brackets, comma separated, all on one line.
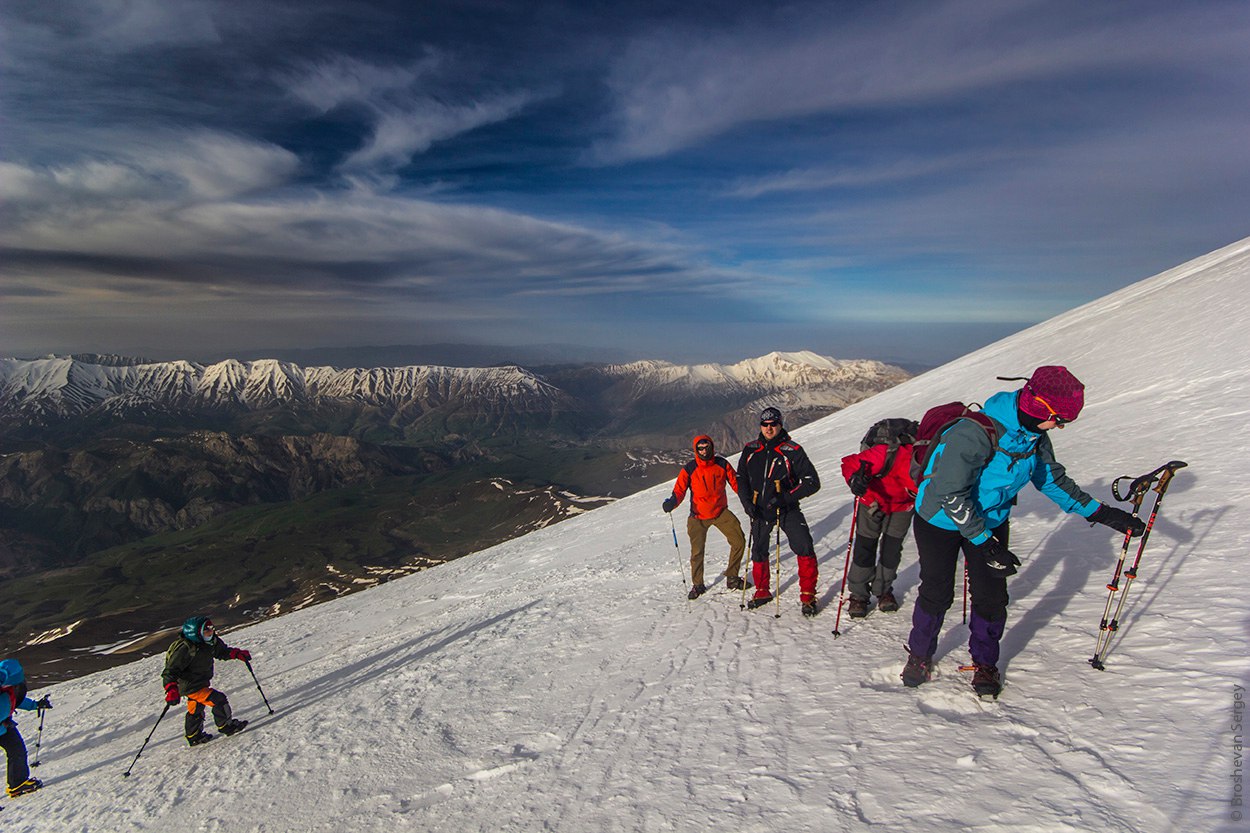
[(1052, 390)]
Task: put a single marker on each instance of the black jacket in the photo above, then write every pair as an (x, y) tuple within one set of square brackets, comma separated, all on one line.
[(766, 465), (190, 664)]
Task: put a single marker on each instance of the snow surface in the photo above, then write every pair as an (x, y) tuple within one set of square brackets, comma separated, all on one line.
[(562, 682)]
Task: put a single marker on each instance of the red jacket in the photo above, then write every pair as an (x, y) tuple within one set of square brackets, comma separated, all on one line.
[(706, 480), (893, 491)]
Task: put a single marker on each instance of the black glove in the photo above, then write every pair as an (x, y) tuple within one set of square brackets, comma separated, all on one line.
[(670, 503), (44, 702), (858, 484), (777, 504), (997, 557), (1118, 519)]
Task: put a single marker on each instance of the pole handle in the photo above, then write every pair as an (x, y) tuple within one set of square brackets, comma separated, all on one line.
[(1158, 478)]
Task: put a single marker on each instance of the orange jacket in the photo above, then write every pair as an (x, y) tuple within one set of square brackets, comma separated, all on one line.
[(706, 480)]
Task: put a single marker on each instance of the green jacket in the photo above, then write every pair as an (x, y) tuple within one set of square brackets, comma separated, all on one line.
[(190, 664)]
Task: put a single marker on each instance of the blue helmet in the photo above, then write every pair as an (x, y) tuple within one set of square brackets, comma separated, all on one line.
[(193, 629), (11, 673)]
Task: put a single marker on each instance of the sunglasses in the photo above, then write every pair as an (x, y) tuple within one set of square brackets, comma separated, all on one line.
[(771, 423), (701, 446), (1059, 421)]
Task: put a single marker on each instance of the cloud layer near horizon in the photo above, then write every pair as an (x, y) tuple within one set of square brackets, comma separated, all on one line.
[(714, 180)]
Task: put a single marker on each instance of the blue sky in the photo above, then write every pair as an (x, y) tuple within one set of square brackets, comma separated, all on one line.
[(682, 180)]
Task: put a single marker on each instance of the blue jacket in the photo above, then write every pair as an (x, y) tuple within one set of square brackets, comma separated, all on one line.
[(12, 692), (970, 485)]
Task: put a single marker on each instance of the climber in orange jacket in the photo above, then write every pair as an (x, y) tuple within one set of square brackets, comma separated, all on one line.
[(706, 477)]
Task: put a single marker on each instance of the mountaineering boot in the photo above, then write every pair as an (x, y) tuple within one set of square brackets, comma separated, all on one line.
[(27, 786), (734, 583), (917, 670), (232, 727), (810, 609), (886, 603), (986, 681), (760, 601), (696, 591), (857, 607), (198, 738)]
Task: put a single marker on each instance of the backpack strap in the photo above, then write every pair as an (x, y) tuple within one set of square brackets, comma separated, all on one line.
[(890, 454)]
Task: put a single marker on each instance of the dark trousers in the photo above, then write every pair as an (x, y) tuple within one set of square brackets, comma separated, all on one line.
[(196, 703), (874, 529), (13, 745), (939, 551), (794, 525)]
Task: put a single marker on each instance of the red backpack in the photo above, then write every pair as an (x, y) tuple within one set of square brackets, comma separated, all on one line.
[(935, 422)]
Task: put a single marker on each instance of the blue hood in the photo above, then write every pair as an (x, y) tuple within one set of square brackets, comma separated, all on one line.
[(11, 673)]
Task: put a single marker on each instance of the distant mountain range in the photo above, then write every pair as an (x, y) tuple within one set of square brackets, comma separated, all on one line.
[(131, 489), (51, 398)]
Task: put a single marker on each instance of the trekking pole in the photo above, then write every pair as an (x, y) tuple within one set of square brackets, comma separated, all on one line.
[(680, 567), (777, 579), (248, 663), (1161, 477), (38, 738), (165, 711), (965, 589), (846, 566)]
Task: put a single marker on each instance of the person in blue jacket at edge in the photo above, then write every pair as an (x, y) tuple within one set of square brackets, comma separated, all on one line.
[(13, 697), (963, 503)]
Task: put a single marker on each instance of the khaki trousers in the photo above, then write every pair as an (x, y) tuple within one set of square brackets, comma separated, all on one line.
[(727, 523)]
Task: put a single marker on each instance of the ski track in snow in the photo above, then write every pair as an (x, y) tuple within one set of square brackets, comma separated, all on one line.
[(562, 682)]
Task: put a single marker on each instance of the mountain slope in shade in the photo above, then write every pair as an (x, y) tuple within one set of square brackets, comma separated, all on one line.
[(562, 681)]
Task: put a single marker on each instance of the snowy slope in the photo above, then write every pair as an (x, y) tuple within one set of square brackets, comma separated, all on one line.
[(562, 681)]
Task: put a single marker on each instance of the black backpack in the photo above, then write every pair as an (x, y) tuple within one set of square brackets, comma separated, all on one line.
[(891, 433)]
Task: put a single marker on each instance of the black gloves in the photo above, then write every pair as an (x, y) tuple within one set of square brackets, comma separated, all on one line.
[(858, 483), (997, 557), (44, 702), (1118, 519), (670, 503)]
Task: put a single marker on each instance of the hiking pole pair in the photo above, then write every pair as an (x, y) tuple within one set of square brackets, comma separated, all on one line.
[(1160, 478), (165, 711), (850, 542)]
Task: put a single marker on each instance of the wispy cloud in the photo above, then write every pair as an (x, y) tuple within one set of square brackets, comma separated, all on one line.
[(401, 104), (862, 175), (676, 88)]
